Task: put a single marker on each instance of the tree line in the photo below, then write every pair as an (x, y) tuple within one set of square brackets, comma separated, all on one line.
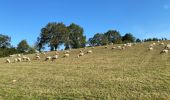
[(54, 34)]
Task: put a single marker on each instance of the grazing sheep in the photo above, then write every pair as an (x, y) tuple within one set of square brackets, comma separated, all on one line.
[(164, 51), (124, 44), (67, 52), (19, 59), (15, 60), (92, 47), (89, 51), (119, 47), (158, 41), (37, 58), (66, 55), (54, 57), (105, 47), (28, 59), (113, 47), (24, 58), (8, 61), (81, 54), (167, 46), (154, 43), (162, 43), (19, 55), (150, 48), (47, 58)]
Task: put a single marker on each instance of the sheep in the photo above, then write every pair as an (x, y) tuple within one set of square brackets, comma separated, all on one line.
[(150, 48), (67, 52), (8, 61), (113, 47), (37, 57), (54, 57), (24, 58), (162, 43), (19, 55), (105, 47), (47, 58), (158, 41), (164, 51), (28, 59), (89, 51), (19, 59), (167, 46), (81, 54), (119, 47), (15, 60), (154, 43), (66, 55), (92, 47)]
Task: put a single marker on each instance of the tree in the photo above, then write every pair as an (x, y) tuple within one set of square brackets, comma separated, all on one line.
[(98, 40), (113, 36), (23, 46), (53, 34), (75, 38), (138, 40), (128, 37), (4, 41)]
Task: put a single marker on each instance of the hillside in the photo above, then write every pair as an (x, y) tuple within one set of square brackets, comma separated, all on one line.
[(133, 73)]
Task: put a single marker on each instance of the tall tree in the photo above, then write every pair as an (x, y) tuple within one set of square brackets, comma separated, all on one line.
[(113, 36), (23, 46), (128, 37), (98, 40), (54, 34), (4, 41), (75, 38)]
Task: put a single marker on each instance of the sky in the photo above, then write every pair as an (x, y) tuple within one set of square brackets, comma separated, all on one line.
[(23, 19)]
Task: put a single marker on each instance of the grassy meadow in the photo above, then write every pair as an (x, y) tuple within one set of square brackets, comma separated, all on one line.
[(134, 74)]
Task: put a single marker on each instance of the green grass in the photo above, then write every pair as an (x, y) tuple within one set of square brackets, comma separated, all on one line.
[(134, 73)]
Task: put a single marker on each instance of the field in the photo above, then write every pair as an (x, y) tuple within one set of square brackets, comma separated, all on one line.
[(106, 74)]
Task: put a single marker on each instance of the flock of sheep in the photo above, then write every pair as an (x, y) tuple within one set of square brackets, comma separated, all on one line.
[(21, 57), (165, 50)]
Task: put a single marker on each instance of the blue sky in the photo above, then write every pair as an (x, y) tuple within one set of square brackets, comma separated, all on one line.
[(23, 19)]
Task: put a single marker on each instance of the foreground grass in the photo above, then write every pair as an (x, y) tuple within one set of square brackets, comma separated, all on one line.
[(134, 73)]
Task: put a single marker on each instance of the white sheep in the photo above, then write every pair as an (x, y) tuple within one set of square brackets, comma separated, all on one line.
[(67, 52), (37, 57), (8, 61), (167, 46), (113, 47), (19, 55), (19, 59), (54, 57), (89, 51), (47, 58), (66, 55), (164, 51), (105, 47), (28, 59), (15, 60), (81, 54), (150, 48)]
